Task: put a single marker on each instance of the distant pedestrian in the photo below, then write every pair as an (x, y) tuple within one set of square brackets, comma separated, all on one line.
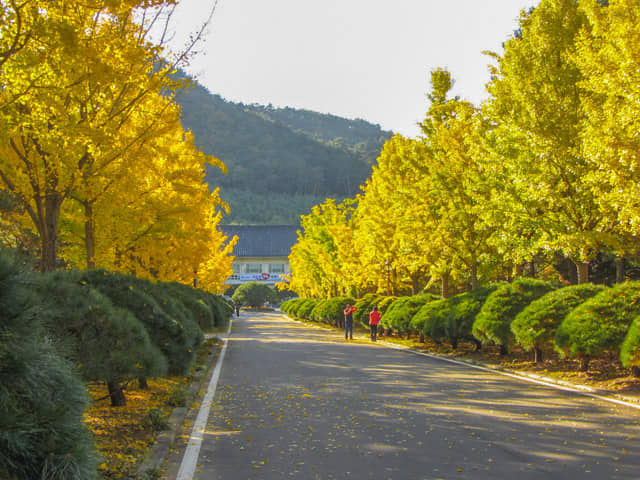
[(237, 309), (348, 321), (374, 320)]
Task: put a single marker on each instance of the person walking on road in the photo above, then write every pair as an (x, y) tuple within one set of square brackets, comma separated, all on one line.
[(348, 321), (374, 319)]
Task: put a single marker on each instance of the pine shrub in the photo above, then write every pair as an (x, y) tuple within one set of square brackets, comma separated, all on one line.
[(462, 314), (42, 399), (535, 327), (165, 331), (600, 324), (493, 322), (399, 314)]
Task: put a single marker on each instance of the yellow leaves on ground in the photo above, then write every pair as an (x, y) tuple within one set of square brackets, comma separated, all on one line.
[(123, 434)]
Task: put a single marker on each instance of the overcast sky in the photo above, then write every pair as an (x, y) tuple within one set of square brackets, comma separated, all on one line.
[(366, 59)]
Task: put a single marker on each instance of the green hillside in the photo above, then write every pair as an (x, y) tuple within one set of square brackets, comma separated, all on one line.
[(280, 161)]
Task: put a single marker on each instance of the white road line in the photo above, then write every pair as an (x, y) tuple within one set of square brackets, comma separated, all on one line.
[(190, 458)]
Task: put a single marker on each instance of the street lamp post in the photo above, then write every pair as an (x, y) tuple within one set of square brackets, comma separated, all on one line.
[(387, 265)]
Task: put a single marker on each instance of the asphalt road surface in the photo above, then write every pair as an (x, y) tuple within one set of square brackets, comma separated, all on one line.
[(300, 402)]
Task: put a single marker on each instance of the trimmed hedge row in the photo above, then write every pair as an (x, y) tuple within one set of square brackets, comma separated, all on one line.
[(63, 329), (580, 321)]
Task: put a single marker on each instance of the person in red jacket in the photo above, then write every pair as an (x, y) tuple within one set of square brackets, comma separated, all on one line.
[(374, 319), (348, 321)]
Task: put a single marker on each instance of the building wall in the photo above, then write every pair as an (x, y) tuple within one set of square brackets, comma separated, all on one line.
[(259, 269)]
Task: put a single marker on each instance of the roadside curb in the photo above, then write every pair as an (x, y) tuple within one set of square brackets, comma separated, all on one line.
[(157, 455)]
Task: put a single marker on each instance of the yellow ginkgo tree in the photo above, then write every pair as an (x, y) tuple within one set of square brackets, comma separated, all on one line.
[(537, 109), (608, 56), (67, 102)]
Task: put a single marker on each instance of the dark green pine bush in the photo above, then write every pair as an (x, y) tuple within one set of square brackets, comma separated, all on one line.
[(287, 305), (463, 310), (105, 342), (166, 332), (42, 399), (295, 305), (398, 315), (600, 324), (364, 306), (201, 310), (493, 322), (383, 303), (306, 307), (332, 311), (222, 309), (535, 327), (191, 334), (431, 318), (630, 349)]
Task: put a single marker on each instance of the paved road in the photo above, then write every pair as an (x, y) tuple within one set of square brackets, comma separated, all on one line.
[(299, 402)]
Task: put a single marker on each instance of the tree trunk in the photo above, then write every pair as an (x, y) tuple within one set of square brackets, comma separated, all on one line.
[(620, 272), (421, 337), (415, 284), (49, 231), (142, 383), (584, 363), (117, 394), (532, 268), (537, 355), (474, 276), (445, 284), (635, 371), (477, 344), (503, 350), (583, 271), (454, 343), (89, 236)]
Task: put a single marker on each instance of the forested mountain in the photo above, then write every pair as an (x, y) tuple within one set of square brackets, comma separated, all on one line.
[(280, 161)]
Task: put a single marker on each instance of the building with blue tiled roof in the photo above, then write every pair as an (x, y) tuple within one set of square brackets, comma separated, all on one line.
[(261, 253)]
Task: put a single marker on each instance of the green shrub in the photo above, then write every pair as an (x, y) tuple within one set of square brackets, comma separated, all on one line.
[(105, 342), (630, 349), (296, 304), (314, 314), (306, 307), (191, 334), (331, 311), (431, 318), (288, 304), (42, 399), (222, 309), (600, 324), (166, 332), (199, 305), (363, 307), (399, 314), (254, 294), (493, 322), (464, 309), (536, 325), (383, 303)]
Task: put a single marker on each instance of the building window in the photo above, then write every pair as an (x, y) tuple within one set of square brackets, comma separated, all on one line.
[(254, 268), (237, 268), (276, 268)]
